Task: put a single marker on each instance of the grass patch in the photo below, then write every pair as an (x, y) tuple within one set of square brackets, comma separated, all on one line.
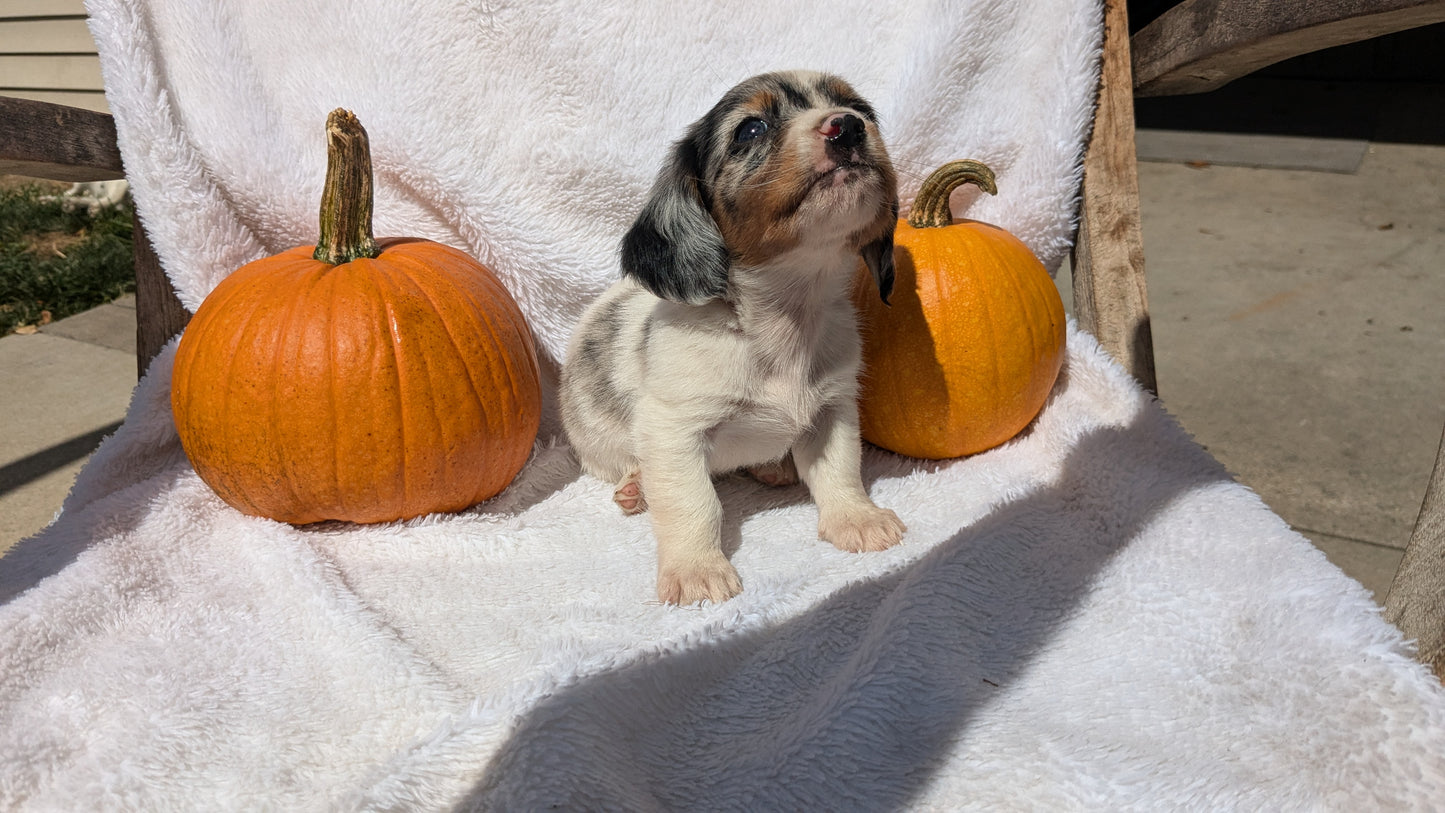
[(55, 263)]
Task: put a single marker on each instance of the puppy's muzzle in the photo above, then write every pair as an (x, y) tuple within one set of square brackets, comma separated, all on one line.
[(844, 136)]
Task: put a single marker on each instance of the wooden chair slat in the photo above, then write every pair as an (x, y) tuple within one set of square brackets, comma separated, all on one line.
[(1111, 299), (1200, 45), (44, 140), (1416, 601)]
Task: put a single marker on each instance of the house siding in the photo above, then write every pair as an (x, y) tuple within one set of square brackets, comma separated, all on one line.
[(46, 53)]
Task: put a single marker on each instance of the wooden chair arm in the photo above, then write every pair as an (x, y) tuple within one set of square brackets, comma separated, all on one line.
[(1200, 45), (43, 140), (1416, 601), (160, 316), (1111, 300)]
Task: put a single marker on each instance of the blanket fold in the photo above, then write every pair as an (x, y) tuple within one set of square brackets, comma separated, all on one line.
[(1092, 616)]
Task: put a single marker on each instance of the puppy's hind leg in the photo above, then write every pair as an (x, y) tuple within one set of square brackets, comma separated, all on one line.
[(628, 494), (777, 474)]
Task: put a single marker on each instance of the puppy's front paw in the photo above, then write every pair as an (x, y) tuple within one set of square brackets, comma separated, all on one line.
[(715, 580), (861, 528)]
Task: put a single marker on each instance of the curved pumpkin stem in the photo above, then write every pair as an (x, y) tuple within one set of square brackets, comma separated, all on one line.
[(930, 209), (346, 201)]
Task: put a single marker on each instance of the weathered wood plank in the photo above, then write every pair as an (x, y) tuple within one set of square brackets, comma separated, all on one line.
[(1200, 45), (56, 142), (1416, 601), (1110, 296), (159, 314)]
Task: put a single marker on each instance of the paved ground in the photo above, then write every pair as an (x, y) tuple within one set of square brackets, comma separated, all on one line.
[(65, 388), (1298, 332), (1296, 317)]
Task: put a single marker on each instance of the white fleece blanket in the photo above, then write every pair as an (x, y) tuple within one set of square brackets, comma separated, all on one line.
[(1093, 616)]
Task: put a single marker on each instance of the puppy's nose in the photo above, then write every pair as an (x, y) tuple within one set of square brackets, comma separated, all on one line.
[(844, 130)]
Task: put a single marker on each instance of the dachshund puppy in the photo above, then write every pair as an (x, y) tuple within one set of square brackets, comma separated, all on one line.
[(731, 341)]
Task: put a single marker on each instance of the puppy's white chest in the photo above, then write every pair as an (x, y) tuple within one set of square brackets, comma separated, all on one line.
[(790, 395), (777, 409)]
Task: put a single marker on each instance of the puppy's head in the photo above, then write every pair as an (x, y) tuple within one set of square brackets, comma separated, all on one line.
[(784, 161)]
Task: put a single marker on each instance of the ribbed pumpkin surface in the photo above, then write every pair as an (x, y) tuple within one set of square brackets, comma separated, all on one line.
[(969, 349), (372, 390)]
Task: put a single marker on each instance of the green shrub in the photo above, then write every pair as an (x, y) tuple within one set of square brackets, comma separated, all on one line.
[(59, 262)]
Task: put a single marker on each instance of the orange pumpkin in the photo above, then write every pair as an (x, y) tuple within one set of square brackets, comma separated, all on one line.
[(968, 351), (357, 380)]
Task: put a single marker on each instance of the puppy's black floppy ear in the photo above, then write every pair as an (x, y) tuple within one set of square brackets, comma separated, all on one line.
[(878, 255), (674, 247)]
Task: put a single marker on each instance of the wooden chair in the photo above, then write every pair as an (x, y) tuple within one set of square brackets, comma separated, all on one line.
[(58, 143), (1198, 45)]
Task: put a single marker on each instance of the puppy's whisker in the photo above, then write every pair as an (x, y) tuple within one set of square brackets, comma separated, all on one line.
[(912, 173), (759, 183), (916, 170), (908, 162)]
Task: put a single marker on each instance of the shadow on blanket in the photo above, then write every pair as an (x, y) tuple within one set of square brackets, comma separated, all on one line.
[(854, 703)]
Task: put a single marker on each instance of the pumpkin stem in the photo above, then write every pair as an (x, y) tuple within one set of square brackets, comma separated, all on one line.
[(346, 201), (930, 209)]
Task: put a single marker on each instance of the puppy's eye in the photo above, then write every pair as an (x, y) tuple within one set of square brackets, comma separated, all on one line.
[(750, 130)]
